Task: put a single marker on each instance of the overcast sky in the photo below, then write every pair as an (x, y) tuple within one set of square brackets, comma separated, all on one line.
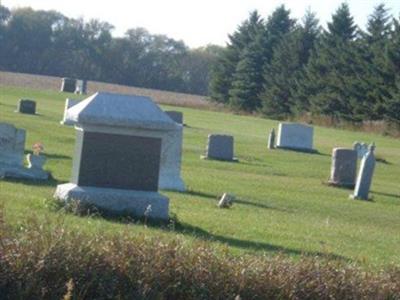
[(196, 22)]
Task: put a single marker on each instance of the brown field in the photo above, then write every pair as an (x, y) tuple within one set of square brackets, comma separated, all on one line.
[(41, 82)]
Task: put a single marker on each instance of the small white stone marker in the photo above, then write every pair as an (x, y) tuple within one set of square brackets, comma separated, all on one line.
[(226, 201)]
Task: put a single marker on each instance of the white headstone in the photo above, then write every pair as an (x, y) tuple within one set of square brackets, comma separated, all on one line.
[(295, 136), (12, 145), (361, 148)]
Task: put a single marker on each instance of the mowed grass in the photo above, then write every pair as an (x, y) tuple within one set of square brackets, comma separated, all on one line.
[(283, 206)]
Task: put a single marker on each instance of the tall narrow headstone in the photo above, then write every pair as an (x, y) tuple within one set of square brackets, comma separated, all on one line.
[(26, 106), (365, 174), (220, 147), (81, 87), (344, 167), (271, 139), (361, 149)]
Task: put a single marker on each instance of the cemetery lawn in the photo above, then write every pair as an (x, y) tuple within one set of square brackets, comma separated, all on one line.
[(284, 205)]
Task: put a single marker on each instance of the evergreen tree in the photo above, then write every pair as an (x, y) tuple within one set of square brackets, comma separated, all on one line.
[(332, 75), (222, 74), (281, 74)]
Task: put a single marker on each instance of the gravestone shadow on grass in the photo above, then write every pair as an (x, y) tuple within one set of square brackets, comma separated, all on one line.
[(50, 182)]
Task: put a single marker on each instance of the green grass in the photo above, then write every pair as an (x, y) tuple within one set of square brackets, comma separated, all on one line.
[(283, 204)]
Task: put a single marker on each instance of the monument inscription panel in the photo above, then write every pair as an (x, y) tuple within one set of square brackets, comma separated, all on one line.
[(117, 161)]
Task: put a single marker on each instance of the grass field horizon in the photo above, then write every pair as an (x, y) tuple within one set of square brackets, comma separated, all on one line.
[(283, 203)]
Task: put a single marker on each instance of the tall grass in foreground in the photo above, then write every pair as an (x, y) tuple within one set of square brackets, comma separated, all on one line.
[(39, 261)]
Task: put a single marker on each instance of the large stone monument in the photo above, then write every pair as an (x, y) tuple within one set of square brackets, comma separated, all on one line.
[(295, 136), (122, 143), (26, 106), (68, 85), (365, 174), (12, 146), (68, 104), (344, 167), (177, 116), (220, 147)]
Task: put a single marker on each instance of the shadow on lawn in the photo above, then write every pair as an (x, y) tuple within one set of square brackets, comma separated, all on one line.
[(51, 155), (237, 200), (50, 182), (386, 194), (202, 234)]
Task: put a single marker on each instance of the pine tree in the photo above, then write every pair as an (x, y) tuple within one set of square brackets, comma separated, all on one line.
[(281, 74), (333, 84), (224, 69)]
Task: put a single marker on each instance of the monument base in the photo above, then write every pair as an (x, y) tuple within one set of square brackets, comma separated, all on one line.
[(171, 183), (116, 201), (341, 184), (234, 159), (17, 172), (305, 150)]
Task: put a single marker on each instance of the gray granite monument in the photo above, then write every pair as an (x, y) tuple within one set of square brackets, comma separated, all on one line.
[(12, 146), (344, 167), (365, 174), (122, 142), (220, 147), (177, 116), (26, 106), (68, 85), (271, 139), (295, 136)]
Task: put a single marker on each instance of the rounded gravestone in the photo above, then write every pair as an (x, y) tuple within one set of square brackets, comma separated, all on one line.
[(344, 167)]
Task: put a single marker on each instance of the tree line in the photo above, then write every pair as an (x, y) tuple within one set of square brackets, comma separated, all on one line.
[(49, 43), (284, 68)]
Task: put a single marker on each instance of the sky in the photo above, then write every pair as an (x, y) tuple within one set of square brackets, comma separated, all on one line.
[(196, 22)]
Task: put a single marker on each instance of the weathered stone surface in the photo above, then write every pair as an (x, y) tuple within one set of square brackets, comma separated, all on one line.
[(116, 110), (361, 149), (68, 104), (12, 145), (176, 116), (68, 85), (271, 139), (26, 106), (220, 147), (117, 201), (122, 143), (116, 161), (344, 167), (365, 174), (295, 136), (226, 201)]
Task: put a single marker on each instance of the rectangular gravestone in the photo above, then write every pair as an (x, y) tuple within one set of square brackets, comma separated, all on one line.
[(116, 161), (26, 106), (12, 145), (68, 85), (295, 136), (220, 147)]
